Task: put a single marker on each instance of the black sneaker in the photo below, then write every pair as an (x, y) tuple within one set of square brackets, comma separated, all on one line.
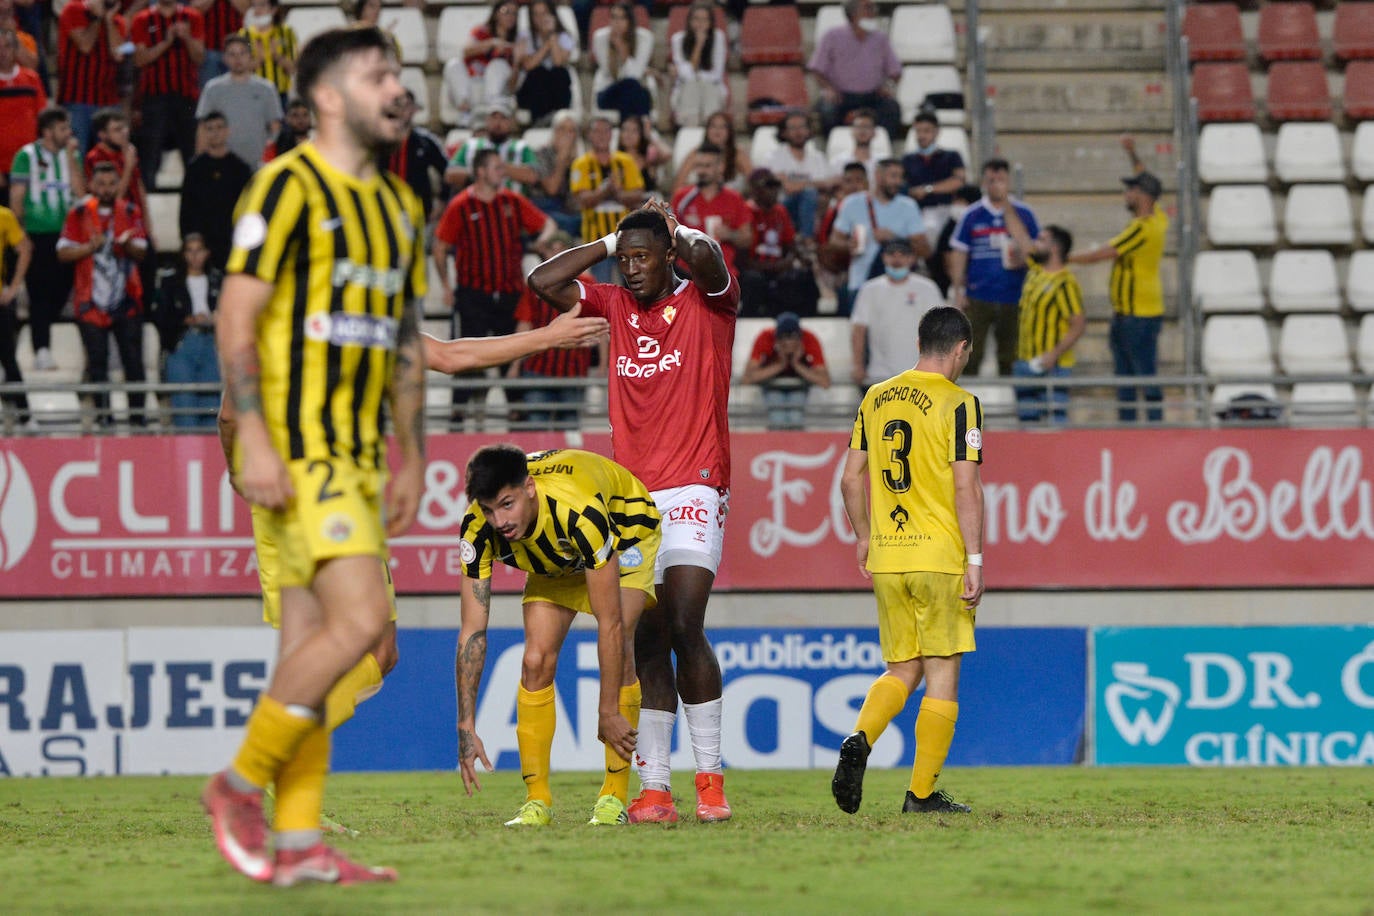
[(937, 802), (848, 784)]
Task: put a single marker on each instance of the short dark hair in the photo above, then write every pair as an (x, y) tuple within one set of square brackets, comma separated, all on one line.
[(968, 193), (105, 117), (479, 158), (328, 48), (926, 117), (234, 38), (868, 113), (492, 468), (102, 167), (941, 330), (996, 164), (1063, 239), (50, 116), (890, 160), (648, 220), (297, 103), (856, 166), (213, 114)]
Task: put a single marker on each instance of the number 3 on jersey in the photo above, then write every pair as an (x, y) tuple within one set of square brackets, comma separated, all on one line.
[(898, 432)]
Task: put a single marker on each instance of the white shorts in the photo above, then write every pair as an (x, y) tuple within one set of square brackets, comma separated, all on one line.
[(693, 527)]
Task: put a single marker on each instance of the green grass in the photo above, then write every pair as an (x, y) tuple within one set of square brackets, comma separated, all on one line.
[(1039, 841)]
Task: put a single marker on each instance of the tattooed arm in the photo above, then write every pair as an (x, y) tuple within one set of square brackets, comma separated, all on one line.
[(475, 608), (262, 477), (408, 412)]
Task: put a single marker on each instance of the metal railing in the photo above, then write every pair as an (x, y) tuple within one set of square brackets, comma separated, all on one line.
[(981, 108)]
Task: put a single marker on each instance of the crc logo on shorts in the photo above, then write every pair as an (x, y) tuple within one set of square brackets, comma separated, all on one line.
[(341, 328), (631, 559), (974, 439), (337, 528), (466, 552)]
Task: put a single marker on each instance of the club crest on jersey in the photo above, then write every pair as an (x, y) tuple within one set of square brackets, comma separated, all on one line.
[(631, 559), (634, 320), (974, 438), (705, 473), (669, 314), (466, 552), (337, 528)]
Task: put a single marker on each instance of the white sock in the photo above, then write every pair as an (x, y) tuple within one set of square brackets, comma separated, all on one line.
[(703, 721), (655, 747)]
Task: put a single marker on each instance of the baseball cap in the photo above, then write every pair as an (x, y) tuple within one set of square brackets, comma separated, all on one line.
[(764, 176), (788, 323), (897, 244), (500, 105), (1146, 182)]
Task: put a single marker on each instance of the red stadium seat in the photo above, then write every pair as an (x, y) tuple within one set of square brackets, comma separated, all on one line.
[(771, 35), (774, 90), (1223, 92), (677, 18), (601, 16), (1213, 32), (1288, 31), (1297, 91), (1359, 90), (1352, 36)]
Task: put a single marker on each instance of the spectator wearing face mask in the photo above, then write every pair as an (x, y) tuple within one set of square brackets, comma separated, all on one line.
[(891, 305), (933, 174)]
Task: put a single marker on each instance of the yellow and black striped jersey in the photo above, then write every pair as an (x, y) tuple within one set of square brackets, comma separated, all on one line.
[(266, 44), (1135, 285), (588, 174), (345, 258), (913, 427), (589, 507), (1049, 299)]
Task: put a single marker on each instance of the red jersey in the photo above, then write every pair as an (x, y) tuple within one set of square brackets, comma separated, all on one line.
[(172, 73), (485, 236), (694, 210), (765, 351), (96, 294), (669, 381), (222, 19), (773, 232), (90, 78), (569, 363), (22, 97)]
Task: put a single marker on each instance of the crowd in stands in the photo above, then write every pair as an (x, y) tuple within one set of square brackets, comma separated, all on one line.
[(212, 79)]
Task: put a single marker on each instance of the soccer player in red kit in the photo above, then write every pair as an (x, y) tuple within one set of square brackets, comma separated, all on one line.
[(671, 341)]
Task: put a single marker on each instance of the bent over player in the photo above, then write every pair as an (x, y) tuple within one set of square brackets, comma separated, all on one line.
[(917, 441), (319, 325), (586, 531), (671, 341)]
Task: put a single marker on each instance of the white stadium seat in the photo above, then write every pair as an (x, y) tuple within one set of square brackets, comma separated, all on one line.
[(413, 78), (1359, 281), (407, 23), (1227, 281), (171, 172), (762, 143), (828, 17), (923, 34), (918, 81), (1314, 345), (841, 143), (164, 218), (1241, 214), (955, 138), (1236, 345), (1323, 404), (685, 143), (1304, 280), (1367, 214), (1318, 214), (998, 401), (1309, 151), (1362, 152), (1231, 154), (309, 21), (1364, 345), (455, 26), (1226, 392)]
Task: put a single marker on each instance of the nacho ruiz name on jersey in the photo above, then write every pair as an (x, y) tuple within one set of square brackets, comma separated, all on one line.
[(649, 360)]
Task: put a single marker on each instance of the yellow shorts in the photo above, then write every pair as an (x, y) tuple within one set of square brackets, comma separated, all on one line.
[(921, 614), (636, 571), (336, 512)]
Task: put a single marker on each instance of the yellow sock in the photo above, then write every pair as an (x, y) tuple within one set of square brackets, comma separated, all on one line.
[(617, 780), (885, 699), (934, 734), (360, 682), (535, 720), (270, 740), (300, 784)]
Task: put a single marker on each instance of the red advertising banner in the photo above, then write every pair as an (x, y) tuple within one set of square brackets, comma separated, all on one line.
[(124, 517)]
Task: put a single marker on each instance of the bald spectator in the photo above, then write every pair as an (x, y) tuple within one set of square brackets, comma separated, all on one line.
[(857, 68)]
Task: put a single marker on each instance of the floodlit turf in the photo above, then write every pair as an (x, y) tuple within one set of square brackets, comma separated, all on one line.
[(1039, 841)]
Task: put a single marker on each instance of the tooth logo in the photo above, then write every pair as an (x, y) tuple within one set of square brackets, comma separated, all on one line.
[(1133, 681), (18, 511)]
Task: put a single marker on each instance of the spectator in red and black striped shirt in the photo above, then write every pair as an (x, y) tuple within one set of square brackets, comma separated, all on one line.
[(169, 45), (222, 19), (90, 39), (481, 230)]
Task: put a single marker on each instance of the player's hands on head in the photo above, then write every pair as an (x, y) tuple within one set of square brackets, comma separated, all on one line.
[(403, 500), (470, 750), (667, 213), (973, 586), (615, 731)]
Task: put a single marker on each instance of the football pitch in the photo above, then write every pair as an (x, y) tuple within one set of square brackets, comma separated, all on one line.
[(1040, 840)]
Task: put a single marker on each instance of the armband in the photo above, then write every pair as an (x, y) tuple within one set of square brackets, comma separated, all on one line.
[(687, 235), (975, 559)]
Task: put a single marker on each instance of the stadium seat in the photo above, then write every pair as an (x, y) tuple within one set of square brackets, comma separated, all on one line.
[(923, 34), (841, 143), (1309, 152), (1352, 33), (309, 21), (762, 143), (834, 335), (407, 23), (413, 78), (1224, 394), (455, 26), (770, 35), (1359, 281), (1288, 31), (918, 82), (1314, 345), (1364, 345), (1362, 152), (164, 219), (1241, 214), (687, 140), (1324, 405), (952, 138), (1358, 97), (1223, 92), (1318, 214), (1213, 32), (1297, 91), (1236, 345), (828, 17), (677, 19), (1227, 281), (170, 173), (1231, 154), (997, 401), (772, 90), (1304, 280)]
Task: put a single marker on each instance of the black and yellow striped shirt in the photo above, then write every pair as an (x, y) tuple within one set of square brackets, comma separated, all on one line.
[(1135, 285), (913, 427), (1049, 300), (587, 174), (263, 53), (345, 258), (589, 507)]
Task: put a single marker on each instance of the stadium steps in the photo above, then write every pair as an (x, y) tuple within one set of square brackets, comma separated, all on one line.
[(1062, 39)]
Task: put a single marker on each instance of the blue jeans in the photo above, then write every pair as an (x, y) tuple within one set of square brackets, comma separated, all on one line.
[(81, 117), (562, 394), (802, 207), (786, 407), (193, 361), (1030, 402), (1135, 348)]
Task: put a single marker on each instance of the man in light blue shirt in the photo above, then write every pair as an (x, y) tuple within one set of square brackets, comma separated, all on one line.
[(867, 220)]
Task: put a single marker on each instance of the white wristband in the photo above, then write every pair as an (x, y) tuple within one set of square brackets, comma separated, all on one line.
[(975, 559), (609, 242), (686, 234)]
